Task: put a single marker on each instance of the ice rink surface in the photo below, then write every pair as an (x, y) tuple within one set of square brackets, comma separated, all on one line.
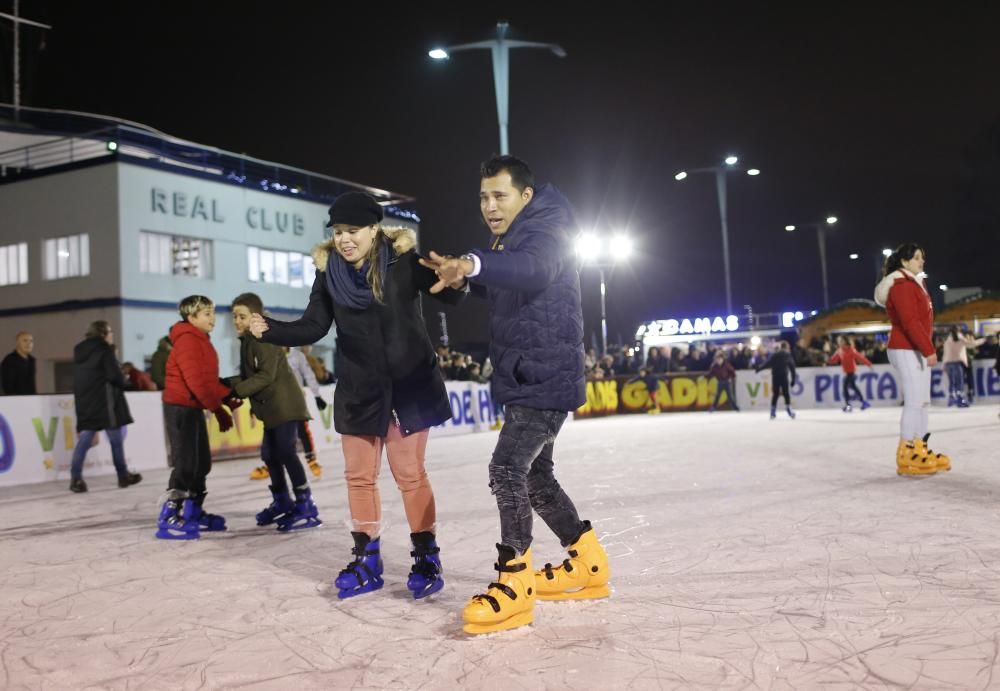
[(745, 554)]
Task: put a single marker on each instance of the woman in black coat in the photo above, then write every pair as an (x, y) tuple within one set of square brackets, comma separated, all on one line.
[(389, 392), (99, 397)]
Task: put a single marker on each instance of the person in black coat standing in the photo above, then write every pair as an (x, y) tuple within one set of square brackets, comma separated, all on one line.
[(390, 390), (17, 371), (781, 365), (530, 278), (99, 397)]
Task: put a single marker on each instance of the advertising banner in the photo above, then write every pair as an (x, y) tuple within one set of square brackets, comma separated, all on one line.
[(38, 435), (676, 392), (822, 387)]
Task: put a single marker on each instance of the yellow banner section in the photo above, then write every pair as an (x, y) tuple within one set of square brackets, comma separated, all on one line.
[(675, 392)]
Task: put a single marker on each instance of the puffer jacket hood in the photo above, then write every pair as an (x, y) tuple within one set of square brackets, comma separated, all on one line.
[(885, 285), (98, 387), (88, 348)]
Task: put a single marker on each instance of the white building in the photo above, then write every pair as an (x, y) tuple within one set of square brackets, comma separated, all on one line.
[(100, 219)]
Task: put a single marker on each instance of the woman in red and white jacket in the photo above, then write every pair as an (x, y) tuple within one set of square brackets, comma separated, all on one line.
[(911, 352)]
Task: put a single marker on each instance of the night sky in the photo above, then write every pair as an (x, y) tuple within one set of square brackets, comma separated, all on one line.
[(886, 116)]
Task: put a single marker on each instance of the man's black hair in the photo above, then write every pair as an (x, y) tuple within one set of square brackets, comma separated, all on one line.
[(520, 174)]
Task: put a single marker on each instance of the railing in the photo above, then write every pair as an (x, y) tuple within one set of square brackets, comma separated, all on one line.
[(81, 141)]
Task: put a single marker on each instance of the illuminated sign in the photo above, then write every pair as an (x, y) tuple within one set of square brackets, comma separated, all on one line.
[(682, 327), (788, 319)]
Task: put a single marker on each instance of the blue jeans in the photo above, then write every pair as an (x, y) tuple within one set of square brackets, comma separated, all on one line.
[(956, 378), (522, 478), (83, 443), (727, 386)]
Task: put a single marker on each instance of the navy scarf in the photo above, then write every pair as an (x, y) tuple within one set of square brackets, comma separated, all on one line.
[(349, 286)]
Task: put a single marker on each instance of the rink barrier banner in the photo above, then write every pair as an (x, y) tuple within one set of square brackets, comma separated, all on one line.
[(677, 392), (822, 387), (38, 434)]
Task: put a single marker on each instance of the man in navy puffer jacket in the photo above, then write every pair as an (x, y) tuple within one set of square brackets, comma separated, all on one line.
[(530, 277)]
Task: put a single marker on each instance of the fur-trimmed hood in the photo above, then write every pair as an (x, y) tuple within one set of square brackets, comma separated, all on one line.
[(403, 240), (883, 287)]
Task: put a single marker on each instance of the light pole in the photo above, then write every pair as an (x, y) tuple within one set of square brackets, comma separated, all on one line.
[(821, 227), (720, 186), (18, 21), (593, 252), (499, 48)]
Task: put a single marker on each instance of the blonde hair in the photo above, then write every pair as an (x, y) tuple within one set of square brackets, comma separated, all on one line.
[(193, 304)]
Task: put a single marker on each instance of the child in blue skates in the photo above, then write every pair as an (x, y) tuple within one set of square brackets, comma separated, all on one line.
[(191, 387), (276, 400)]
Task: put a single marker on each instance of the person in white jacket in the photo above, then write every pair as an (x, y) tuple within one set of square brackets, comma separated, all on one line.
[(305, 376), (956, 363)]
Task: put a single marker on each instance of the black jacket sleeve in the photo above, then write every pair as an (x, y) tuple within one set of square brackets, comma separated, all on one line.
[(313, 325)]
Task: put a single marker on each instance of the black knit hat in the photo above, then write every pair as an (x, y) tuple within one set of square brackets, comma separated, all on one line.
[(355, 209)]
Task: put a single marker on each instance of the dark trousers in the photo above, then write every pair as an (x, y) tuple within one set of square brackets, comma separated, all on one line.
[(306, 437), (779, 387), (727, 386), (277, 450), (522, 478), (190, 454), (851, 385)]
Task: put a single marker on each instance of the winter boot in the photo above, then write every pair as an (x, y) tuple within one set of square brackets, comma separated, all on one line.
[(773, 413), (847, 408), (209, 522), (260, 473), (865, 405), (791, 413), (938, 460), (364, 574), (178, 520), (425, 574), (508, 603), (961, 402), (910, 462), (77, 486), (951, 399), (584, 576), (315, 467), (303, 515), (129, 479), (282, 503)]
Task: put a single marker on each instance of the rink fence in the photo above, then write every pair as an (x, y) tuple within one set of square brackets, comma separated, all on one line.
[(38, 433), (816, 387)]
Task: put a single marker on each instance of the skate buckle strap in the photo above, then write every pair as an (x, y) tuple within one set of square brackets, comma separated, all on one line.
[(565, 564), (492, 600), (510, 568), (354, 570)]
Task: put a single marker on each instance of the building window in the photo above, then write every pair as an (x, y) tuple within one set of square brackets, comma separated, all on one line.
[(277, 266), (14, 264), (67, 257), (174, 255)]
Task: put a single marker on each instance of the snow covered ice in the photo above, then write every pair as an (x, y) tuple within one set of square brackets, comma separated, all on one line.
[(745, 553)]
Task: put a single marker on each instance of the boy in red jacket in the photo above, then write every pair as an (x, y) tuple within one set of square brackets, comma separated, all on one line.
[(191, 386), (849, 359)]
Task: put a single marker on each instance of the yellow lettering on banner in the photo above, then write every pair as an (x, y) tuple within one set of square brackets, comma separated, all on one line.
[(704, 397), (663, 397), (69, 433), (635, 396), (685, 392), (609, 395)]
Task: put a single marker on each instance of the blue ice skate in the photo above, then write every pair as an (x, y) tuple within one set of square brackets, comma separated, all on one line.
[(209, 522), (364, 574), (304, 513), (178, 521), (425, 574), (282, 503)]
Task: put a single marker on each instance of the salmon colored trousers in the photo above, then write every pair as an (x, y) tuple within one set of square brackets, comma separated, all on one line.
[(362, 463)]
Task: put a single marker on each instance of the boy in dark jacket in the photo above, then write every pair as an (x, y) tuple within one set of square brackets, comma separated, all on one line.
[(192, 385), (530, 277), (276, 400), (99, 398), (781, 364), (725, 377), (647, 377)]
